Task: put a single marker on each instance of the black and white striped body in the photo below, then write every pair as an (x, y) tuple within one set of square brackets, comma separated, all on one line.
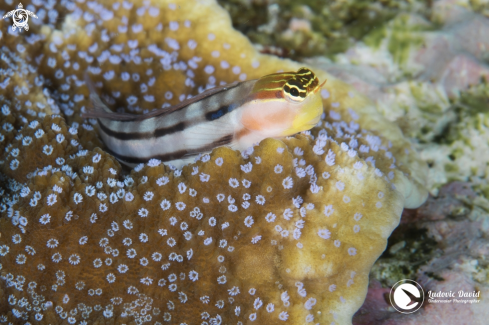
[(179, 136)]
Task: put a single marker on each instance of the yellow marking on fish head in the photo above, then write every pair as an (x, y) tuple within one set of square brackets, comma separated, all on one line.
[(284, 103)]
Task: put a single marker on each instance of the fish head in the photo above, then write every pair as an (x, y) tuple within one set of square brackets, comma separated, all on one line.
[(284, 103)]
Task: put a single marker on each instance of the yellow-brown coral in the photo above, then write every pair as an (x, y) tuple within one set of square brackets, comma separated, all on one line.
[(258, 226), (285, 232)]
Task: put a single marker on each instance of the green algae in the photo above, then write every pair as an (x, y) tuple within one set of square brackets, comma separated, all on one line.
[(451, 168), (413, 249), (407, 250), (375, 38), (428, 100), (484, 190), (476, 100), (402, 34), (334, 25)]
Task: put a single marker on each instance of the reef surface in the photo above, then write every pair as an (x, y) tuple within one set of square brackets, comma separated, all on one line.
[(285, 232)]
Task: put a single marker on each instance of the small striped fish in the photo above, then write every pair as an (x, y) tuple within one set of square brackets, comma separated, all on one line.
[(236, 115)]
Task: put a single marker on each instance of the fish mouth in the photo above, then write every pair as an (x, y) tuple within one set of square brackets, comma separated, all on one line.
[(312, 123), (309, 124)]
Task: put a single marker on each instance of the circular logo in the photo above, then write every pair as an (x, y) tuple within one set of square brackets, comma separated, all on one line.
[(20, 18), (406, 296)]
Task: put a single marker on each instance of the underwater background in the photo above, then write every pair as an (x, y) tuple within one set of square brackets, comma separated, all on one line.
[(408, 79)]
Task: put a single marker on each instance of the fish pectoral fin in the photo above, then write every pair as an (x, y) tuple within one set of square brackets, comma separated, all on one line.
[(204, 138), (224, 141)]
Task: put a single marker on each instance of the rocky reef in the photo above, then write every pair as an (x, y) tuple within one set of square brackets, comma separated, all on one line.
[(299, 29), (430, 77), (286, 231), (444, 246), (428, 74)]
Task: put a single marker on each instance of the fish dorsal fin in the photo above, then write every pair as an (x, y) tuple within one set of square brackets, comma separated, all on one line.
[(102, 111)]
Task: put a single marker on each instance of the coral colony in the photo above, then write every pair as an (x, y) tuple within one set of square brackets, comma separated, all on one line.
[(284, 232)]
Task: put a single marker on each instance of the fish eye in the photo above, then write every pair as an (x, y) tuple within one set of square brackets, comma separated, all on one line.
[(294, 92)]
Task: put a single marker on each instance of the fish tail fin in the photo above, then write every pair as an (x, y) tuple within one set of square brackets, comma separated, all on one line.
[(100, 110)]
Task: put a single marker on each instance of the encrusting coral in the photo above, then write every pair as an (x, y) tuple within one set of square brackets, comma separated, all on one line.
[(284, 232)]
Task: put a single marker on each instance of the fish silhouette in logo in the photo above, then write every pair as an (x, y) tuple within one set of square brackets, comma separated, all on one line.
[(414, 299)]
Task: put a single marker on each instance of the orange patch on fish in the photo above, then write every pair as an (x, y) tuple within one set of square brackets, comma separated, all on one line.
[(265, 116)]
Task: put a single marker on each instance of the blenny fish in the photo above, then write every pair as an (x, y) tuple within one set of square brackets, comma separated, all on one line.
[(235, 115)]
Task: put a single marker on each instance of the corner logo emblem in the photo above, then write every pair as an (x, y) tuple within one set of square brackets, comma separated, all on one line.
[(406, 296), (20, 17)]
